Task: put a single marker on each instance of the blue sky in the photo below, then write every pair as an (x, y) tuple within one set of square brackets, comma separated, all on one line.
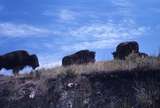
[(55, 28)]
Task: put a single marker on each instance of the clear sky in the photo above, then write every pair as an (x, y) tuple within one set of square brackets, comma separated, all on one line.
[(55, 28)]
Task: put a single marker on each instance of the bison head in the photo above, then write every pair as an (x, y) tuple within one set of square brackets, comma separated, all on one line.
[(92, 56), (67, 60), (114, 55), (34, 61)]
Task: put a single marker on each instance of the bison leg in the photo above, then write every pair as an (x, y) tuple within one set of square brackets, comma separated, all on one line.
[(15, 72)]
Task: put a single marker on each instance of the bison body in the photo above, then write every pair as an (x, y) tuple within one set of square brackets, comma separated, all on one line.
[(125, 48), (80, 57), (17, 60)]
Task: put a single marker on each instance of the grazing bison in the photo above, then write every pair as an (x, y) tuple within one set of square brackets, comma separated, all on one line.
[(17, 60), (125, 48), (80, 57)]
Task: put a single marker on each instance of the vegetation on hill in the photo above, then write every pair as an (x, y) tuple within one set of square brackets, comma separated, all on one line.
[(130, 83)]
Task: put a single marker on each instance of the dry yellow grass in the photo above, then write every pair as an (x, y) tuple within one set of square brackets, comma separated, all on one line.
[(132, 62)]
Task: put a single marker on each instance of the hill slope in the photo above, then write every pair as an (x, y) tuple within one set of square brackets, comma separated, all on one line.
[(134, 83)]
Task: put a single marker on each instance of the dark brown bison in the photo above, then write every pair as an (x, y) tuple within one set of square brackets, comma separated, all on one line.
[(125, 48), (80, 57), (17, 60)]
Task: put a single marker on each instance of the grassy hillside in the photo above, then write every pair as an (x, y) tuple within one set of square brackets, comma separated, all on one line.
[(133, 61), (133, 83)]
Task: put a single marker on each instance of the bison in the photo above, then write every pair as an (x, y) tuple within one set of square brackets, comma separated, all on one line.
[(17, 60), (80, 57), (125, 48)]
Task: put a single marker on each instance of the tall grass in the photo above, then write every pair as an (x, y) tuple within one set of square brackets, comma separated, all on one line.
[(133, 61)]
